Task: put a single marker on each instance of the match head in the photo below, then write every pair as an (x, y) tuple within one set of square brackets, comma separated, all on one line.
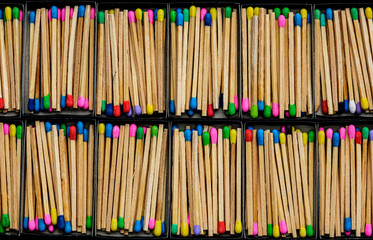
[(292, 110), (31, 224), (336, 139), (221, 227), (311, 136), (321, 137), (248, 135), (365, 132), (267, 111), (347, 224), (260, 136), (19, 132), (358, 108), (61, 222), (245, 104), (298, 20), (228, 12), (285, 12), (184, 229), (101, 17), (249, 13), (20, 15), (71, 13), (308, 18), (203, 14), (137, 110), (101, 128), (277, 12), (254, 111), (283, 227), (276, 231), (329, 14), (368, 12), (139, 133), (149, 109), (72, 133), (54, 216), (15, 13), (282, 137), (179, 19), (131, 16), (275, 109), (305, 138), (58, 14), (303, 13), (81, 101), (214, 135), (329, 133), (342, 133), (281, 21), (81, 11), (199, 129), (63, 127), (351, 131), (32, 16), (275, 136), (358, 137), (8, 14), (93, 11), (2, 14), (47, 219), (233, 136), (193, 10), (226, 132), (54, 11), (108, 130), (186, 14), (354, 15), (41, 225), (302, 232), (174, 229), (178, 10), (80, 127), (116, 131), (138, 14), (208, 19), (114, 225), (5, 220), (160, 15), (154, 131), (120, 222), (368, 230), (231, 109), (48, 126), (12, 130), (6, 129), (68, 227), (213, 13), (238, 227), (317, 13)]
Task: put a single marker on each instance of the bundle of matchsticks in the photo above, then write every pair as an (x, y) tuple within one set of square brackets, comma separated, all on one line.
[(59, 176), (279, 182), (206, 181), (345, 170), (61, 59), (10, 176), (132, 176), (276, 62), (11, 59), (130, 62), (343, 61), (203, 61)]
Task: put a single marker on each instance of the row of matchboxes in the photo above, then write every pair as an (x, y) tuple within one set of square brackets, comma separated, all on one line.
[(61, 92)]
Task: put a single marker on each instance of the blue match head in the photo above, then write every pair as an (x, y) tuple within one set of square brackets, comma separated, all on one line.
[(347, 224), (335, 139), (2, 14), (260, 105), (163, 228), (85, 135), (109, 109), (190, 112), (188, 135), (173, 128), (54, 12), (41, 225), (172, 107), (250, 128), (275, 136), (48, 127), (25, 222), (179, 19), (60, 222), (357, 129), (58, 127), (63, 102), (37, 105), (68, 227), (81, 11), (329, 14), (371, 135), (297, 20), (179, 10), (346, 105), (208, 19), (155, 14), (260, 136), (41, 105), (137, 227), (193, 103), (68, 131), (199, 129), (108, 130), (31, 104), (32, 16), (79, 127), (308, 18)]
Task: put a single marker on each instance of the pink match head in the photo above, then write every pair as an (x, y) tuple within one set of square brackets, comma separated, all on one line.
[(151, 223), (203, 13), (255, 229), (116, 131), (81, 101), (71, 13), (188, 220), (31, 224), (283, 227), (20, 15), (245, 104), (321, 129), (6, 129), (275, 110), (348, 233), (131, 16), (281, 21), (214, 135), (342, 132), (63, 12), (86, 104), (283, 130), (329, 133), (351, 131), (58, 14), (51, 228), (133, 129), (368, 230), (236, 102), (287, 114), (47, 219), (50, 15), (151, 16), (93, 13), (144, 128), (37, 224)]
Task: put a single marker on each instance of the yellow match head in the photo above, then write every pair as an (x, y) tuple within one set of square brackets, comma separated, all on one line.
[(12, 130), (256, 11), (276, 231), (192, 11), (297, 131), (321, 137), (364, 103), (282, 138), (303, 13), (101, 128), (138, 14), (160, 15), (249, 12), (8, 13), (184, 229), (305, 138), (302, 232), (238, 227), (149, 109), (111, 11), (233, 136), (213, 13), (368, 12), (114, 225), (54, 216)]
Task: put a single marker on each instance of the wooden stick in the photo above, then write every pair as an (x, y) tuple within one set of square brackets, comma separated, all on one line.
[(193, 100), (221, 224), (254, 70), (153, 64), (184, 214), (233, 141), (358, 182), (262, 12), (201, 60), (318, 59), (206, 67), (124, 178), (281, 24), (71, 62), (364, 168), (227, 26), (175, 182), (149, 98), (293, 180), (203, 182)]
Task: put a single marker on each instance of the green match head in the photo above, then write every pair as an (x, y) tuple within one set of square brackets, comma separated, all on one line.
[(311, 136), (120, 222), (5, 220), (89, 222), (277, 12), (186, 14), (154, 131), (205, 138), (1, 229), (139, 133), (322, 20), (101, 17), (365, 132), (317, 13), (173, 16), (292, 110), (285, 12), (254, 111), (16, 13), (309, 230), (103, 106), (174, 229), (270, 230), (231, 109), (228, 12), (267, 111), (63, 126), (19, 132), (47, 102), (354, 14), (226, 132)]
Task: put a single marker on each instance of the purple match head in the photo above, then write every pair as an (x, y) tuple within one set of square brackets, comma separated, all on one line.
[(358, 108), (371, 135), (197, 230), (137, 109)]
